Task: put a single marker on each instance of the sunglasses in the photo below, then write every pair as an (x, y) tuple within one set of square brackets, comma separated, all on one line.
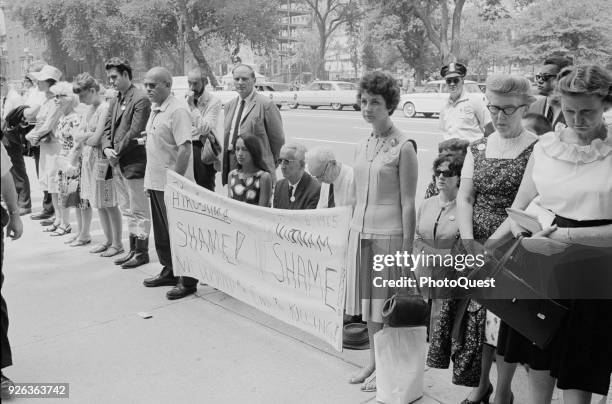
[(58, 96), (453, 80), (506, 110), (545, 76), (445, 173), (284, 161)]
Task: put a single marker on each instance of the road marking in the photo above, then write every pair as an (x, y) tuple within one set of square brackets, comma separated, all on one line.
[(324, 141)]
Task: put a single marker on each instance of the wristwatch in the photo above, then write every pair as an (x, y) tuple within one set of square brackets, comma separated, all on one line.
[(13, 212)]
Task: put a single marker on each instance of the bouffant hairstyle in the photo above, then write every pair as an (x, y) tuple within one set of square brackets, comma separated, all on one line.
[(586, 80), (454, 145), (512, 85), (84, 82), (455, 162), (253, 145), (120, 64), (559, 61), (383, 84)]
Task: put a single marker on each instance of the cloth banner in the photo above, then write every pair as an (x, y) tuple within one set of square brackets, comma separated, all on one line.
[(289, 264)]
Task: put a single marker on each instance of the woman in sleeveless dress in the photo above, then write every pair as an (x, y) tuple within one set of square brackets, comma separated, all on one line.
[(250, 182), (385, 177), (490, 178)]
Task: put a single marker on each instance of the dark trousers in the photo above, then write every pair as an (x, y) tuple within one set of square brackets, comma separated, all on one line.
[(20, 175), (204, 174), (7, 358), (47, 202), (162, 236)]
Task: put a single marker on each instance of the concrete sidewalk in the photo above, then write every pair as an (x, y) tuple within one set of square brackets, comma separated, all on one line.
[(74, 318)]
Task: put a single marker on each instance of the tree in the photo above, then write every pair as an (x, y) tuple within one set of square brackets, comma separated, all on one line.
[(328, 16), (566, 27)]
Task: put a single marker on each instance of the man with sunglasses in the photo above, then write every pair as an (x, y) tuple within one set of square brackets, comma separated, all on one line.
[(546, 79), (298, 189), (465, 115), (336, 178)]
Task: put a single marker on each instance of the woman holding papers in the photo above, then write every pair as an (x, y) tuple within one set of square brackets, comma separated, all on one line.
[(569, 173), (490, 178), (385, 176)]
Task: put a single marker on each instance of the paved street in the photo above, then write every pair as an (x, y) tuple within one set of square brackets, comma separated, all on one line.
[(74, 319)]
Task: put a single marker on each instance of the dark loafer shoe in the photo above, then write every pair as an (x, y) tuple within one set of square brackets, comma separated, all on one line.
[(180, 291), (42, 215), (160, 280)]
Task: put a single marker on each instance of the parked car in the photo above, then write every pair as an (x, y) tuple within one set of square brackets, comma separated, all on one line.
[(336, 94), (432, 98), (277, 92)]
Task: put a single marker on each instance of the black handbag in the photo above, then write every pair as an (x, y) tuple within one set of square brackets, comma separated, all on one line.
[(405, 310), (534, 316)]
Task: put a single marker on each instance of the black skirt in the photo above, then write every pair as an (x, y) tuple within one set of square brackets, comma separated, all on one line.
[(580, 354)]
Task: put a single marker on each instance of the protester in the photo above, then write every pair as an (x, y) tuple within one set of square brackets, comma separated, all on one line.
[(453, 145), (97, 183), (68, 166), (250, 182), (548, 105), (436, 226), (536, 123), (254, 114), (464, 115), (14, 229), (569, 174), (490, 178), (168, 141), (385, 171), (11, 121), (42, 135), (205, 116), (336, 178), (127, 118), (298, 189)]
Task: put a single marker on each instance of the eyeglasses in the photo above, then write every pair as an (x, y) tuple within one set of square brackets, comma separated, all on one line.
[(506, 110), (544, 76), (445, 173), (453, 80), (151, 86), (284, 161), (58, 96)]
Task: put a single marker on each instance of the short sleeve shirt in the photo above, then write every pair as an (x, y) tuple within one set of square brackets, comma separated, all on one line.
[(465, 118), (168, 127), (5, 162)]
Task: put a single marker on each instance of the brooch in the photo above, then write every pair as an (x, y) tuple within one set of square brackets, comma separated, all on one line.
[(481, 147), (451, 218)]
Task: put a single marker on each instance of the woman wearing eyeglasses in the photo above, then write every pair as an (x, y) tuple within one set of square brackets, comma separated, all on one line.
[(383, 222), (436, 228), (569, 173), (490, 179)]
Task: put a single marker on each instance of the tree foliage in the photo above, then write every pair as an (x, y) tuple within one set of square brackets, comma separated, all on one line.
[(567, 27)]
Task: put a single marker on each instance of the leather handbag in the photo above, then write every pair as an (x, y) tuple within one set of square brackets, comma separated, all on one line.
[(534, 316), (405, 310), (210, 149)]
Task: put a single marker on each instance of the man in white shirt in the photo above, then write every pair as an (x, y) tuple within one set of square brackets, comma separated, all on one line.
[(336, 178), (168, 142), (206, 114), (464, 115)]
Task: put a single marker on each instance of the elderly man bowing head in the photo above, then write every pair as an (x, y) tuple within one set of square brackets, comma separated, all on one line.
[(168, 140), (298, 190), (336, 178)]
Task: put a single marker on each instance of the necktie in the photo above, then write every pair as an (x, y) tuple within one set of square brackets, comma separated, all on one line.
[(550, 115), (237, 125), (330, 200)]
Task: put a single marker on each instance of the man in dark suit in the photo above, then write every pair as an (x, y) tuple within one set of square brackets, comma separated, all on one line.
[(546, 79), (254, 114), (127, 119), (298, 190)]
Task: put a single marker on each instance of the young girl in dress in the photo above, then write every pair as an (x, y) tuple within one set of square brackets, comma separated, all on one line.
[(250, 182)]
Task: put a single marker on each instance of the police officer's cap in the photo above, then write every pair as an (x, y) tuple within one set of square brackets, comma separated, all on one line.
[(453, 70)]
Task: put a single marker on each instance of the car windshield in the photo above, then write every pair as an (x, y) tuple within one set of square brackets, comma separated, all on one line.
[(280, 87), (431, 88), (346, 86)]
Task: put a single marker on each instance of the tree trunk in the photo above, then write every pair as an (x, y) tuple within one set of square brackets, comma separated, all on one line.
[(194, 46)]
